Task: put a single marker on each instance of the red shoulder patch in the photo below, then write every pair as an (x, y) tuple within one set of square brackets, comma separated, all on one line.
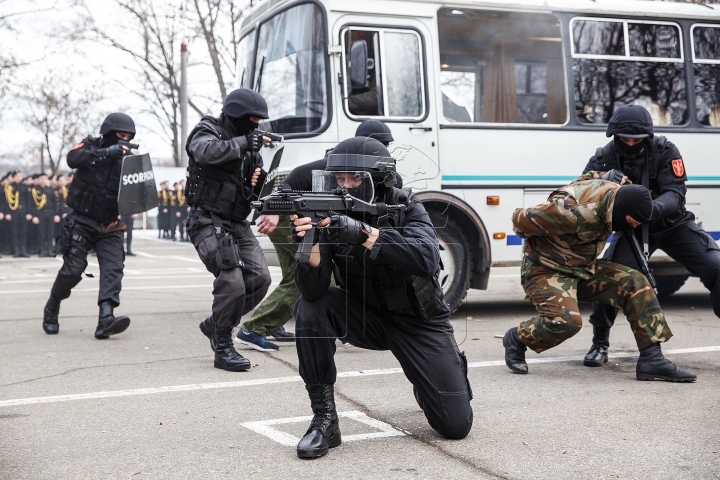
[(678, 167), (79, 145)]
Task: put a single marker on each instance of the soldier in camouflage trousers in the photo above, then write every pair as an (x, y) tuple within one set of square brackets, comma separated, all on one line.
[(564, 236)]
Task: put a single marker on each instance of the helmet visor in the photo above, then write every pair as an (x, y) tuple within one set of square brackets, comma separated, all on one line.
[(358, 184)]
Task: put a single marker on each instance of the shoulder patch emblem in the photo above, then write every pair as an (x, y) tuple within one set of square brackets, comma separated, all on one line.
[(79, 145), (678, 167)]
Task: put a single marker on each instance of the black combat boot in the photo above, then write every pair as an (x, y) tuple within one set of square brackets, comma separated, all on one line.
[(514, 352), (324, 431), (598, 354), (109, 324), (226, 357), (653, 365), (50, 316), (208, 328)]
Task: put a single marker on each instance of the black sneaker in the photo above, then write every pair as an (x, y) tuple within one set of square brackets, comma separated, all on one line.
[(281, 335)]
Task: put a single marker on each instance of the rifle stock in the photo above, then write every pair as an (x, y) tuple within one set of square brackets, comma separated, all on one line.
[(640, 258)]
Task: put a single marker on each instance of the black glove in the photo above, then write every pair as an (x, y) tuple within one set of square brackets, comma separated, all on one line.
[(297, 239), (112, 152), (347, 230), (254, 142), (614, 176)]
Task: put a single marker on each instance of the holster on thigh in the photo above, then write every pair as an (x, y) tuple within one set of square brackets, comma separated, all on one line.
[(228, 255), (64, 240)]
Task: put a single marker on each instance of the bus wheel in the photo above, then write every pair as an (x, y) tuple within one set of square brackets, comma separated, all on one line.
[(669, 285), (456, 259)]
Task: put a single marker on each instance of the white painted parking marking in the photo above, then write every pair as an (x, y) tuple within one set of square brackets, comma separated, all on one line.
[(264, 427), (296, 378)]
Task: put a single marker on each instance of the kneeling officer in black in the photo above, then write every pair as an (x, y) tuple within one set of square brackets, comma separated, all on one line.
[(389, 298), (223, 178), (93, 223)]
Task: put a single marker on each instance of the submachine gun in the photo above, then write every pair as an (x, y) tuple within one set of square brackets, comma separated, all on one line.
[(320, 205), (640, 254)]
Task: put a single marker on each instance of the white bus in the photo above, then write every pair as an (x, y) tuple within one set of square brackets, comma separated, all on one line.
[(492, 103)]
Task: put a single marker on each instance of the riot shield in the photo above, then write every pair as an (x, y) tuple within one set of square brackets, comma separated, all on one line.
[(137, 192)]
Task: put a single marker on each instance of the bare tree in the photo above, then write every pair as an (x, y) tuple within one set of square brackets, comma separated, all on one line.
[(218, 23), (59, 115), (150, 39)]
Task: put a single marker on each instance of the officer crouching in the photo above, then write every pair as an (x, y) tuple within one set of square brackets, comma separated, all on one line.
[(93, 223), (224, 175), (389, 298)]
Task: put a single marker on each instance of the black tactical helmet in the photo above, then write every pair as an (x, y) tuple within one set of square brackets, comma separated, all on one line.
[(360, 154), (630, 121), (245, 102), (117, 122), (375, 129)]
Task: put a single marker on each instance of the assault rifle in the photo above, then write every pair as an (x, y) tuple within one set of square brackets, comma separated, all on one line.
[(320, 205)]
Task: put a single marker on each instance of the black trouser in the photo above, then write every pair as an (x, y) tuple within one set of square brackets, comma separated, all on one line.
[(427, 352), (128, 221), (686, 243), (237, 290), (18, 231), (5, 237), (175, 222), (107, 240), (46, 233)]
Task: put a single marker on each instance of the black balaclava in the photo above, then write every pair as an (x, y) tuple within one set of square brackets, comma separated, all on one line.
[(237, 127), (630, 154), (109, 138), (633, 200)]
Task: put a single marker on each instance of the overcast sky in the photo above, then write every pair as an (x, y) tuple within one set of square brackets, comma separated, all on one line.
[(88, 65)]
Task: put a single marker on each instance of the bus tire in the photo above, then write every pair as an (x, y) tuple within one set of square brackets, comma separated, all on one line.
[(456, 275), (669, 285)]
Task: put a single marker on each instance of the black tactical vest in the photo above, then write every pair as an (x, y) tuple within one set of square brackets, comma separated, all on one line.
[(381, 285), (220, 189), (94, 189)]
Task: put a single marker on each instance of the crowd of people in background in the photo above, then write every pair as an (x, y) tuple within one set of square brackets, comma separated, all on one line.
[(172, 211), (31, 211)]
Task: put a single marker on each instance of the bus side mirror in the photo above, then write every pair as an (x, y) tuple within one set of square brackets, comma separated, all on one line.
[(358, 64)]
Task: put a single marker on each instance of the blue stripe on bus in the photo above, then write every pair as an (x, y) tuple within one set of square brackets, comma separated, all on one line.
[(457, 178), (513, 240), (715, 235)]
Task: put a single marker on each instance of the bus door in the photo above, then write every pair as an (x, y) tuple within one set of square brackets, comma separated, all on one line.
[(384, 76)]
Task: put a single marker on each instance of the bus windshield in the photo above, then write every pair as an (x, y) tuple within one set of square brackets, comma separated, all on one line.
[(290, 70)]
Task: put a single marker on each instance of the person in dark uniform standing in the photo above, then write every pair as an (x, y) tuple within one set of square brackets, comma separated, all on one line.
[(224, 176), (179, 212), (45, 215), (163, 218), (634, 150), (390, 299), (172, 207), (5, 243), (93, 223), (128, 220), (61, 194), (16, 195)]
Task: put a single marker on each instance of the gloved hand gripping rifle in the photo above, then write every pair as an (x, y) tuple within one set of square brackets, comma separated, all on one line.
[(320, 205), (641, 259)]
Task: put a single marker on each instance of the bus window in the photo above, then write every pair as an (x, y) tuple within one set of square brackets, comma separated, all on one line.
[(644, 68), (245, 59), (290, 70), (501, 67), (394, 85), (706, 66)]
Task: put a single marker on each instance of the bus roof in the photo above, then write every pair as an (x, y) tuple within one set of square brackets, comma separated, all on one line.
[(641, 8)]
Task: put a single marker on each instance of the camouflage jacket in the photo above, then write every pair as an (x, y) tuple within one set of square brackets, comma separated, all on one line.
[(568, 232)]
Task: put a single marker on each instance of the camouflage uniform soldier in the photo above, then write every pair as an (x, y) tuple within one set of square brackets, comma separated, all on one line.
[(564, 236)]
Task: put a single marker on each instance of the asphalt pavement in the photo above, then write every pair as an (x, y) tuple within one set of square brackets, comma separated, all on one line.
[(148, 403)]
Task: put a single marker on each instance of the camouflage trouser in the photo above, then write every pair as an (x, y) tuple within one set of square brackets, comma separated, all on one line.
[(556, 296), (278, 307)]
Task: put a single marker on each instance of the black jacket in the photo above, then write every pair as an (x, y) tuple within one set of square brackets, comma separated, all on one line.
[(219, 172), (94, 189), (399, 253), (667, 187)]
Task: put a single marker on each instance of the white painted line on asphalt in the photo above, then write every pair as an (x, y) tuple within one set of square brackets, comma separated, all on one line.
[(296, 378), (264, 427), (95, 289)]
